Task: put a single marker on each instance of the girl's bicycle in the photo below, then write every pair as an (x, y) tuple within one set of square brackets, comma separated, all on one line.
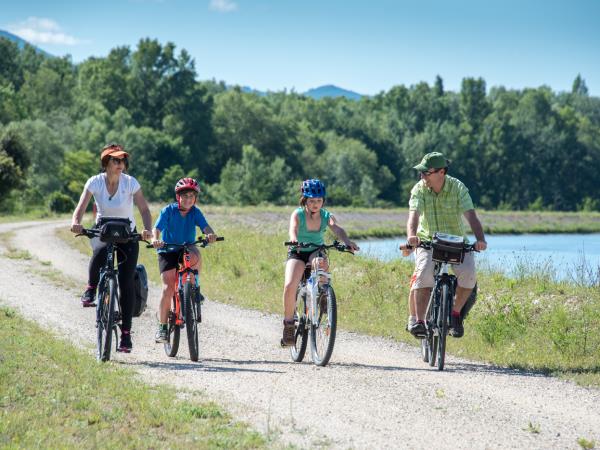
[(446, 250), (316, 309), (186, 305), (108, 304)]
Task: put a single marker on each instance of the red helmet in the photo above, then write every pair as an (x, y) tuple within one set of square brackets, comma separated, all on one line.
[(186, 184)]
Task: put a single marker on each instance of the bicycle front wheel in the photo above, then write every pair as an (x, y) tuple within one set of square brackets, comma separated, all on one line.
[(191, 325), (443, 318), (172, 346), (105, 316), (322, 333), (431, 341), (298, 350)]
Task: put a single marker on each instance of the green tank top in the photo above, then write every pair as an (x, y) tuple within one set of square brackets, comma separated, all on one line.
[(316, 237)]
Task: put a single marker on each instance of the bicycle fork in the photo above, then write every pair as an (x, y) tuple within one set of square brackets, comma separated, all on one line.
[(316, 287)]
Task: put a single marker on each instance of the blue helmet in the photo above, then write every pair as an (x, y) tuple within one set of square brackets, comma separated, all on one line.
[(313, 188)]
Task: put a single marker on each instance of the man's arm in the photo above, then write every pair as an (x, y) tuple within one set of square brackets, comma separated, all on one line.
[(411, 228), (477, 229)]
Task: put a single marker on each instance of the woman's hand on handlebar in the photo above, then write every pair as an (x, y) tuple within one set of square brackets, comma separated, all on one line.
[(76, 228), (157, 243)]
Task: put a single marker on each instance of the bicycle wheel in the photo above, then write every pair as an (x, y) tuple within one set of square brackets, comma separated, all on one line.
[(105, 318), (322, 333), (298, 350), (172, 346), (191, 325), (432, 330), (446, 301), (425, 349)]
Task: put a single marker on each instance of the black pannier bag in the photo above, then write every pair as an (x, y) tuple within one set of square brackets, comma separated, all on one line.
[(448, 248), (141, 290), (114, 229)]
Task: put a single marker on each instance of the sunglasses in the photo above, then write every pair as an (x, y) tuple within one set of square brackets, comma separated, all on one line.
[(117, 160), (426, 174)]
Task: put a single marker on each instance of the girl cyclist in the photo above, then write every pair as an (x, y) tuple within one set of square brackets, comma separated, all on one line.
[(177, 223), (308, 223)]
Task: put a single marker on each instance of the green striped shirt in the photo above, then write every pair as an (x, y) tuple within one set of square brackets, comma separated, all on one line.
[(440, 212)]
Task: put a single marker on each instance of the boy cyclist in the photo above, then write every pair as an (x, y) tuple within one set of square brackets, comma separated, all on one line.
[(177, 224), (308, 223)]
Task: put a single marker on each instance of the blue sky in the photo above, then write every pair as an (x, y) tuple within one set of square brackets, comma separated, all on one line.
[(364, 46)]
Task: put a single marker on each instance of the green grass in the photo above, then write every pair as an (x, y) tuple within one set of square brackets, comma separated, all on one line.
[(55, 396)]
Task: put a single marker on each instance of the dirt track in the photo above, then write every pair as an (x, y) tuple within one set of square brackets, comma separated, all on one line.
[(375, 393)]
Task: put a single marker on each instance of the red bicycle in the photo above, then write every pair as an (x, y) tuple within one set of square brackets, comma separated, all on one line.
[(186, 305)]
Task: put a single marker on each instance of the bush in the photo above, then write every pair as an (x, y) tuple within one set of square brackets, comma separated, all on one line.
[(60, 203)]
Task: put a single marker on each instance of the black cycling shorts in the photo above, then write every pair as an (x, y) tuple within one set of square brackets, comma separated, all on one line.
[(169, 261)]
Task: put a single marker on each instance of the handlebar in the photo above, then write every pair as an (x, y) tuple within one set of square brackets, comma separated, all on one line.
[(199, 242), (427, 245), (335, 244), (91, 233)]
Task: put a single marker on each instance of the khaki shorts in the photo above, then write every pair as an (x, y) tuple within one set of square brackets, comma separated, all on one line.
[(424, 265)]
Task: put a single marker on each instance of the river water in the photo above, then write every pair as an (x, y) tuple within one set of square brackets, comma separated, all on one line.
[(566, 257)]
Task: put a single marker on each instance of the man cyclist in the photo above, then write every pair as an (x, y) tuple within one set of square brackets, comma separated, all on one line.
[(436, 204)]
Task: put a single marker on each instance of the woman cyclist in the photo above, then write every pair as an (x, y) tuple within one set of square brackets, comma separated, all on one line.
[(308, 223), (177, 223), (114, 193)]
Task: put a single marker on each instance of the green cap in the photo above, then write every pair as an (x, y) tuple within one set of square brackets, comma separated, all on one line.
[(433, 160)]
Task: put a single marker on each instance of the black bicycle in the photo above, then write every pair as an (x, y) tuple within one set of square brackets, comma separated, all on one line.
[(186, 305), (316, 309), (446, 250), (108, 307)]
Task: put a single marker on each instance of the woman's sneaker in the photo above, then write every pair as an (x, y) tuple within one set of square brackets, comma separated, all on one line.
[(162, 335), (125, 345), (88, 298)]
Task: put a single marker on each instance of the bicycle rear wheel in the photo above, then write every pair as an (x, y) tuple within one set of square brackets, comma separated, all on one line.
[(298, 350), (322, 333), (432, 338), (172, 346), (191, 325), (105, 316), (446, 301)]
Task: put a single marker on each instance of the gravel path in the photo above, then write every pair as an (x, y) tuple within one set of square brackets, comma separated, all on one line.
[(376, 393)]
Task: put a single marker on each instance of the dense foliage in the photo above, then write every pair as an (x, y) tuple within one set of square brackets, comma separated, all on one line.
[(515, 149)]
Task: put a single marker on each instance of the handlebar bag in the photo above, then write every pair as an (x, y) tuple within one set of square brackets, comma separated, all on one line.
[(114, 229), (448, 248)]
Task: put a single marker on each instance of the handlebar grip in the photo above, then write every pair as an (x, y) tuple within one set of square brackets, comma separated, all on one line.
[(287, 243), (220, 238)]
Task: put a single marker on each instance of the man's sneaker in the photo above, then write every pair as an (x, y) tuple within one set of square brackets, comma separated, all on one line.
[(162, 335), (289, 334), (456, 327), (418, 329), (88, 298), (411, 322), (125, 345)]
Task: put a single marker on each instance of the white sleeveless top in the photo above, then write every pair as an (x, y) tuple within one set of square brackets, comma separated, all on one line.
[(118, 205)]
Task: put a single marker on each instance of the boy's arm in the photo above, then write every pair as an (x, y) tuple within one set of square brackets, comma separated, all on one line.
[(341, 233), (210, 234)]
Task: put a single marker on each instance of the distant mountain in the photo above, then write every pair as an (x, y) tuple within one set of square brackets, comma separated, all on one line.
[(22, 42), (332, 91)]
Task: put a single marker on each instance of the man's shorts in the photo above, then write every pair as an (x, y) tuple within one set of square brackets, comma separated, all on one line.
[(424, 266)]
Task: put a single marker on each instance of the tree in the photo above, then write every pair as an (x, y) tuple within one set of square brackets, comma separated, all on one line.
[(579, 86), (14, 161)]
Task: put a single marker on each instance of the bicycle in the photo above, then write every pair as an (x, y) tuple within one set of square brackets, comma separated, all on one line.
[(186, 305), (108, 303), (447, 250), (316, 309)]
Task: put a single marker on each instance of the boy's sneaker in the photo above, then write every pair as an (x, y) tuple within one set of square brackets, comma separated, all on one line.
[(456, 327), (289, 334), (125, 345), (162, 335), (418, 330), (88, 298)]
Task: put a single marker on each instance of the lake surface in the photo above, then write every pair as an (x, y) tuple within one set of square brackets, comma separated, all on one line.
[(568, 257)]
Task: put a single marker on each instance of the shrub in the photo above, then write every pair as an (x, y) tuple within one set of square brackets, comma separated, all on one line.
[(60, 203)]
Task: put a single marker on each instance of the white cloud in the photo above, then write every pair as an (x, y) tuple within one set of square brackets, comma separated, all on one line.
[(38, 30), (223, 5)]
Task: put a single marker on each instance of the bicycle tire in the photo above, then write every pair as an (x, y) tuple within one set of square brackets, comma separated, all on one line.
[(322, 333), (425, 349), (105, 319), (191, 325), (446, 301), (298, 350), (174, 332), (432, 338)]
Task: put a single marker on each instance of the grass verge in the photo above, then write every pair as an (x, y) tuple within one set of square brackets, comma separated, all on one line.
[(96, 405)]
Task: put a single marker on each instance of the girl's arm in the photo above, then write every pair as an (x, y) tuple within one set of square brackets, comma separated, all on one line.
[(341, 233), (294, 225)]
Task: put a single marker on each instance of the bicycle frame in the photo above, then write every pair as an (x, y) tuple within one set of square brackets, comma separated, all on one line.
[(184, 272), (441, 277)]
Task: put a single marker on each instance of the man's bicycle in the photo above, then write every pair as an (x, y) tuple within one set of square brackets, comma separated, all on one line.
[(316, 309), (108, 304), (186, 305), (447, 250)]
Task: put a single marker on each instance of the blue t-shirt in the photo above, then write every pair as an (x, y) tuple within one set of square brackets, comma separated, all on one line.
[(176, 229)]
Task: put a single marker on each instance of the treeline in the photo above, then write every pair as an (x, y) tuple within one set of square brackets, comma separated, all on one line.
[(515, 149)]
